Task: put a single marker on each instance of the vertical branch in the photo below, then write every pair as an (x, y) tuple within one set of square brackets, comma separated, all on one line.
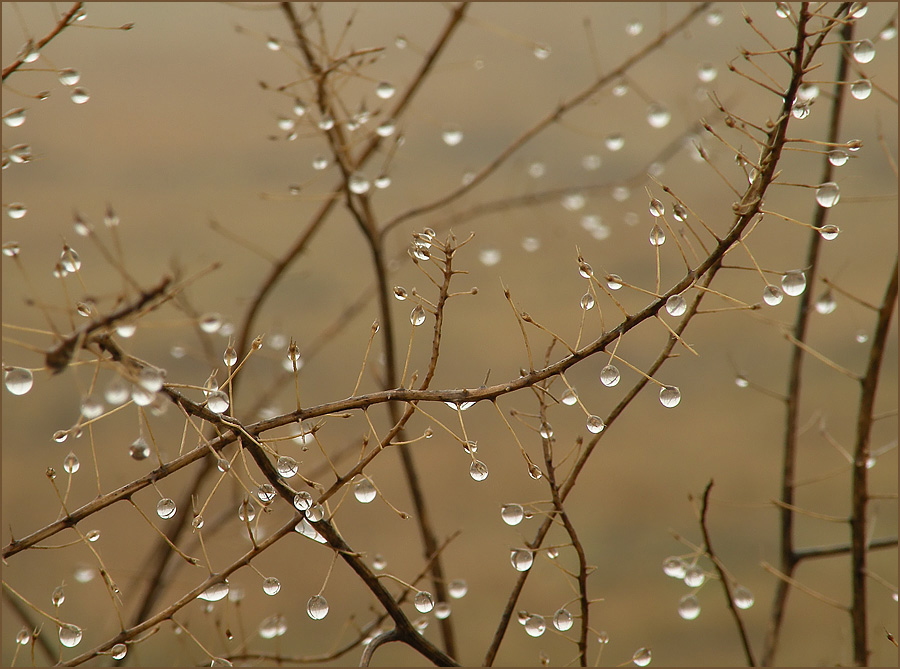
[(789, 558), (859, 540)]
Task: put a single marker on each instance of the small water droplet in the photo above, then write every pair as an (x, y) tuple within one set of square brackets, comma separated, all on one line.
[(641, 657), (772, 295), (271, 586), (864, 51), (165, 508), (80, 95), (246, 511), (58, 596), (139, 449), (325, 123), (614, 141), (272, 627), (230, 356), (782, 10), (417, 316), (197, 522), (489, 256), (286, 466), (743, 598), (562, 620), (452, 135), (541, 51), (707, 72), (315, 513), (265, 493), (319, 163), (14, 117), (71, 464), (676, 305), (573, 201), (364, 491), (828, 194), (215, 592), (689, 607), (92, 536), (861, 337), (386, 129), (829, 232), (658, 116), (620, 88), (217, 402), (303, 500), (423, 601), (537, 170), (70, 635), (714, 18), (669, 396), (11, 249), (679, 212), (457, 588), (614, 282), (18, 380), (546, 430), (609, 376), (478, 470), (442, 610), (675, 567), (861, 89), (793, 283), (118, 651), (587, 301), (535, 625), (512, 514), (569, 397), (358, 184), (694, 577), (534, 471), (595, 424), (657, 236), (741, 381), (521, 559), (385, 91), (826, 303), (91, 407), (634, 28)]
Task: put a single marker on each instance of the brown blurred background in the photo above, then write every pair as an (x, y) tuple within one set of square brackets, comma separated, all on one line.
[(176, 133)]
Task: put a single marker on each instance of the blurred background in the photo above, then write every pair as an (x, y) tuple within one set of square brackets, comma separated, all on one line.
[(178, 132)]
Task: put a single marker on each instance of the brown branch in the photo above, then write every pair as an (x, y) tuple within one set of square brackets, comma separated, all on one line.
[(63, 23)]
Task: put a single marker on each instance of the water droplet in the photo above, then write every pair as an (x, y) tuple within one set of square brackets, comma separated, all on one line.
[(707, 72), (829, 232), (70, 635), (676, 305), (92, 536), (864, 51), (782, 10), (861, 337), (679, 212), (609, 376), (452, 135), (837, 157), (417, 316), (215, 592), (569, 397), (20, 153), (585, 270), (793, 283), (537, 170), (217, 402), (246, 511), (118, 651), (91, 407), (595, 424), (71, 464), (58, 596), (272, 627), (140, 449), (23, 637), (319, 163), (535, 625), (591, 162), (386, 129), (741, 381), (828, 194), (14, 117), (197, 522), (546, 430), (265, 493), (534, 471), (620, 88), (675, 567), (669, 396), (743, 598), (80, 95), (385, 91), (457, 588), (165, 508), (364, 491), (489, 256), (210, 323), (11, 249), (478, 470), (888, 33), (772, 295), (315, 513), (714, 18), (861, 89), (641, 657), (286, 466), (303, 500), (325, 123), (657, 236), (271, 586), (694, 577), (442, 610), (18, 380), (562, 620), (634, 28), (358, 184), (615, 141), (512, 514), (689, 607), (382, 181), (521, 559), (541, 51), (230, 356), (613, 282), (573, 201), (423, 601), (658, 116), (826, 303)]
